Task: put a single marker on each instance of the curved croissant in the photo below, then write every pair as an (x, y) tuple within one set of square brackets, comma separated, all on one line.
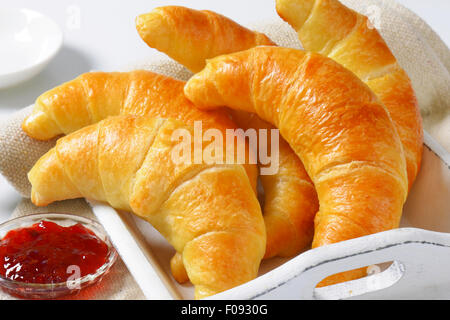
[(208, 212), (182, 33), (97, 95), (191, 37), (94, 96), (330, 28), (335, 124), (290, 199)]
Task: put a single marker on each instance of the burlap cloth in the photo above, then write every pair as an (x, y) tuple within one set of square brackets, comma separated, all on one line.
[(417, 47)]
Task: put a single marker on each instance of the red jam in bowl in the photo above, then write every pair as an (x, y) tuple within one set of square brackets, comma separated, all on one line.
[(49, 253)]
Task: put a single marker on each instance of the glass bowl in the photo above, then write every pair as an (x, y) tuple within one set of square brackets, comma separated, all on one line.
[(55, 290)]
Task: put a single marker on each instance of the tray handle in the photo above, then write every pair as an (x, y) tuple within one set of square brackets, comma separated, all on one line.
[(420, 268)]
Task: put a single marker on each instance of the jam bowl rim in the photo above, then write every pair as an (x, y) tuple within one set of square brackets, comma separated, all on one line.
[(99, 231)]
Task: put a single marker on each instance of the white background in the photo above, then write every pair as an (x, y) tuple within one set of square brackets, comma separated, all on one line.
[(100, 35)]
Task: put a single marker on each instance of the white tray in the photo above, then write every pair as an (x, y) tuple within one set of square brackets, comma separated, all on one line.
[(420, 250)]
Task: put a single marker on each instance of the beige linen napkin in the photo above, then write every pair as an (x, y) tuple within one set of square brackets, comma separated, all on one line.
[(417, 47)]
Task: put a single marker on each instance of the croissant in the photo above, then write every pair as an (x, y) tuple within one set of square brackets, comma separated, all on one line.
[(97, 95), (94, 96), (330, 28), (195, 36), (334, 123), (182, 34), (290, 200), (208, 212)]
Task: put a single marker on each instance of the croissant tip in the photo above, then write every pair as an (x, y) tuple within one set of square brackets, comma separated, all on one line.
[(27, 127), (24, 126), (37, 200), (139, 20), (38, 125)]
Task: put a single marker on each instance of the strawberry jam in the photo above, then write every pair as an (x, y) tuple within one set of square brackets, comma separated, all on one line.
[(49, 253)]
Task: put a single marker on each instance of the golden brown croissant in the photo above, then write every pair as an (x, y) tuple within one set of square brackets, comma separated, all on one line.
[(182, 33), (290, 200), (195, 36), (335, 124), (330, 28), (208, 212), (103, 94), (94, 96)]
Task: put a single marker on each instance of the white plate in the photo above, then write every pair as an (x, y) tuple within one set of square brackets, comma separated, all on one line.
[(29, 40)]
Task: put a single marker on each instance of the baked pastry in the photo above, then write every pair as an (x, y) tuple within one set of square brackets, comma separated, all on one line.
[(191, 37), (208, 212), (182, 33), (94, 96), (332, 29), (290, 199), (335, 124)]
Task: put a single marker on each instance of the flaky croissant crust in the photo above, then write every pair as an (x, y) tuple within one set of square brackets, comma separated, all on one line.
[(191, 37), (335, 124), (208, 212), (332, 29)]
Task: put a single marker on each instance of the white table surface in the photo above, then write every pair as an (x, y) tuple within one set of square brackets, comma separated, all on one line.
[(100, 35)]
